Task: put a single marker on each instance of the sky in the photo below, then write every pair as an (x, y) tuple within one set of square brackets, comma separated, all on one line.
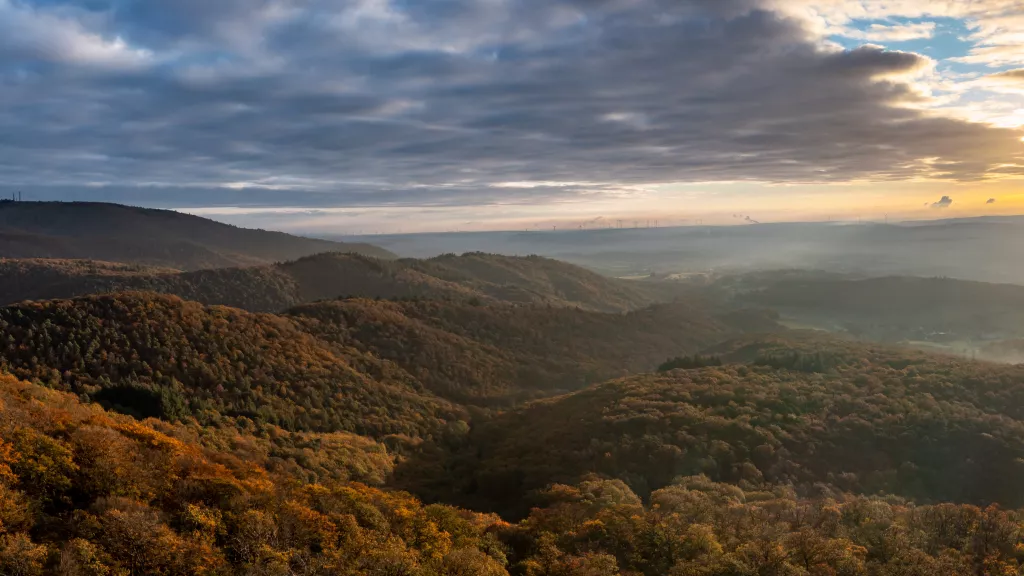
[(361, 116)]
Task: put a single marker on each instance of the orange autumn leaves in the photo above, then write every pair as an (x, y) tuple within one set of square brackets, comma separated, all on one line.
[(87, 492)]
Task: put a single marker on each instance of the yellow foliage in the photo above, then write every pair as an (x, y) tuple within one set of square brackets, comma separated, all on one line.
[(6, 458), (147, 435), (302, 527), (201, 522), (43, 465), (14, 510), (432, 542), (19, 556), (80, 557)]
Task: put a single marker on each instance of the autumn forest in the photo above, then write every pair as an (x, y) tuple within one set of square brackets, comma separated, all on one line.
[(333, 413)]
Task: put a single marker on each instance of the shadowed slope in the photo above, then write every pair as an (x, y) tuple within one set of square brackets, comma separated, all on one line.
[(90, 230)]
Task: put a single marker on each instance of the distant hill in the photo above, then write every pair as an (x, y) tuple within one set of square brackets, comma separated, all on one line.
[(273, 288), (977, 249), (536, 279), (255, 288), (112, 232), (895, 307), (526, 280), (499, 354)]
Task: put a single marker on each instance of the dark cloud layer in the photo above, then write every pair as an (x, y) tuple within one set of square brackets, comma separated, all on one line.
[(339, 102)]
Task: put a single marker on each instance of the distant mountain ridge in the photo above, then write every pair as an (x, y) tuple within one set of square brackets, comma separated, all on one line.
[(276, 287), (889, 308), (112, 232)]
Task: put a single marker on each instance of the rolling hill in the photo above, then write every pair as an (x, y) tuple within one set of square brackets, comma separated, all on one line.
[(807, 413), (372, 367), (88, 492), (112, 232), (801, 454), (162, 432), (159, 356), (273, 288), (895, 306), (497, 354), (253, 288)]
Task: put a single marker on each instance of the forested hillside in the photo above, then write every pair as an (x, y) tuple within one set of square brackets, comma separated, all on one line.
[(254, 288), (537, 279), (112, 232), (83, 491), (496, 353), (273, 288), (849, 417), (334, 420), (160, 356), (366, 366), (472, 276)]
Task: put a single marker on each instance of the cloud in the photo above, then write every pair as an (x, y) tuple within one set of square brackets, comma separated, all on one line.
[(893, 33), (988, 34), (991, 201), (34, 35), (943, 202), (1010, 77), (1009, 82), (994, 25), (444, 102), (997, 36), (875, 61)]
